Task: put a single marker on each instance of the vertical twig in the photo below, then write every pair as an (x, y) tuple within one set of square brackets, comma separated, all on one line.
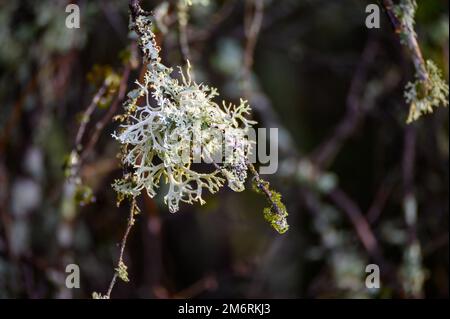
[(87, 115), (412, 273), (107, 117), (359, 222), (123, 244), (252, 25), (410, 39)]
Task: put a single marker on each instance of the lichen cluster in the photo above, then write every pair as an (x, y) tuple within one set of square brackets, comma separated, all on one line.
[(429, 90), (177, 124), (424, 96), (276, 213)]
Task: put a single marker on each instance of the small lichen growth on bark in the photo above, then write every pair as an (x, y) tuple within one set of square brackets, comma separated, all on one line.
[(423, 97), (276, 214), (429, 90), (122, 271)]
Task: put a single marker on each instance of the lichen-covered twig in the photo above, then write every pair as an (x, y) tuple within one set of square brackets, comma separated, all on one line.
[(121, 269), (401, 17), (156, 139), (253, 21), (276, 214), (88, 113), (428, 90), (356, 109)]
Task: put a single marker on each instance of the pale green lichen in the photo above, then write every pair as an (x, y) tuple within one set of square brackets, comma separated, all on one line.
[(96, 295), (276, 214), (423, 97), (429, 90), (177, 125), (122, 271)]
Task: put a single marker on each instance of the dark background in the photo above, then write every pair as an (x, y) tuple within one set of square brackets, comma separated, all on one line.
[(307, 56)]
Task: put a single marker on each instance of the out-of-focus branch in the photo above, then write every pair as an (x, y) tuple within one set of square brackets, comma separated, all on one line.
[(252, 25), (326, 151), (359, 222), (123, 243), (16, 112), (183, 18), (412, 272), (108, 116), (87, 115), (202, 35)]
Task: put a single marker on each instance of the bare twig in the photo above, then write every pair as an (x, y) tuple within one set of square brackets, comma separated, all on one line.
[(87, 115), (412, 272), (123, 243), (183, 17), (201, 35), (359, 222), (252, 23), (354, 114), (107, 117)]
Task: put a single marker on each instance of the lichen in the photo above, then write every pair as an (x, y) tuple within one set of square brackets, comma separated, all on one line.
[(276, 214), (96, 295), (122, 271), (405, 11), (429, 90), (179, 124), (423, 97)]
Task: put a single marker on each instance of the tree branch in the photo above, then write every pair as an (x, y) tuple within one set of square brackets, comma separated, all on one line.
[(409, 38)]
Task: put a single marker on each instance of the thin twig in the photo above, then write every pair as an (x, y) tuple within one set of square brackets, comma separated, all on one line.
[(107, 117), (410, 39), (252, 25), (87, 115), (183, 17), (122, 246), (380, 200), (202, 35), (359, 222)]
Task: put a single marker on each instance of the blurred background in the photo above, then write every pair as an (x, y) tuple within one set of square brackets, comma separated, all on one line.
[(361, 186)]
